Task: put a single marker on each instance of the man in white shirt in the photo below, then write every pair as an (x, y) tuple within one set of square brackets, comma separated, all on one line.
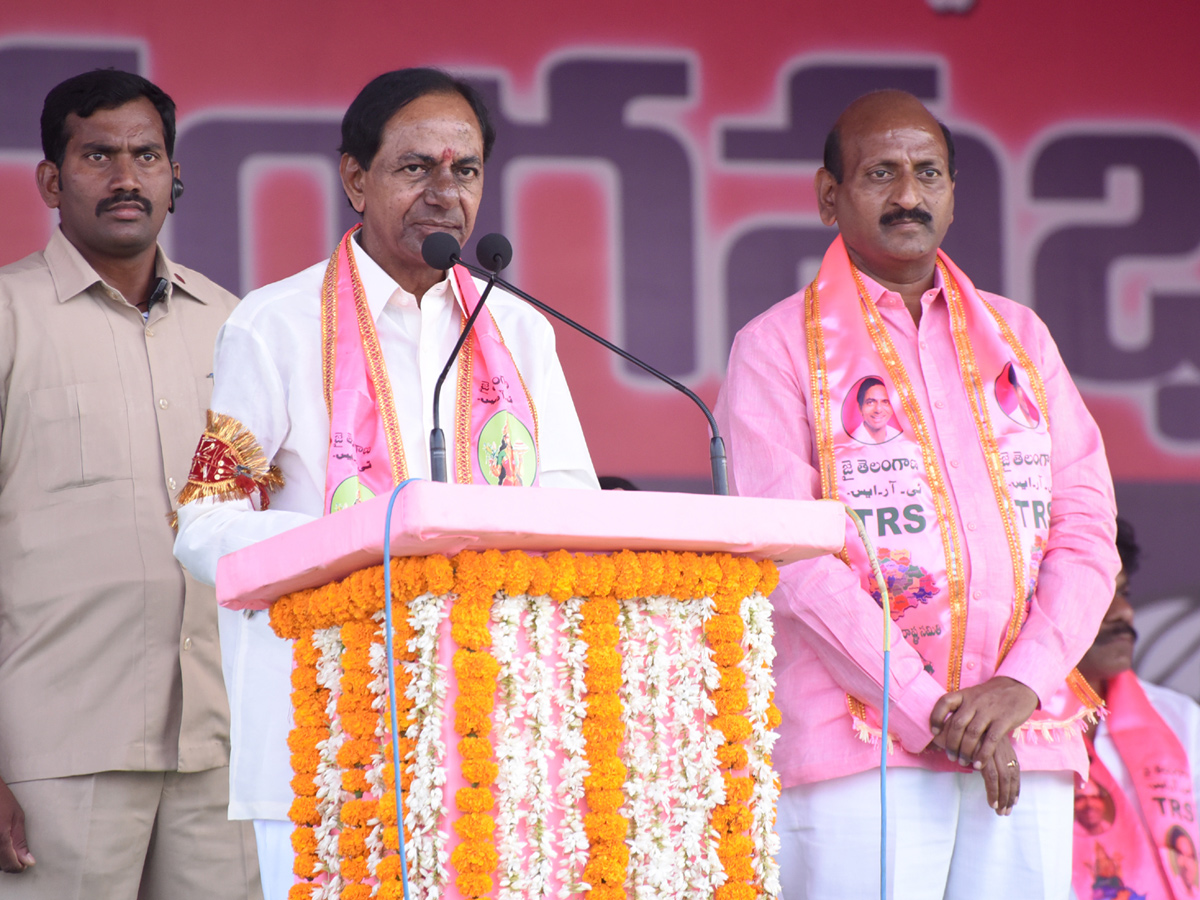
[(414, 143), (1135, 817)]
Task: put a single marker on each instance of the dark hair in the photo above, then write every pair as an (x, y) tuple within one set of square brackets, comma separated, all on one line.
[(383, 97), (1127, 547), (833, 154), (867, 383), (99, 89), (616, 483)]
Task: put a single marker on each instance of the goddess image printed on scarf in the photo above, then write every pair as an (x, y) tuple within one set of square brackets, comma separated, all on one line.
[(868, 414), (1014, 398)]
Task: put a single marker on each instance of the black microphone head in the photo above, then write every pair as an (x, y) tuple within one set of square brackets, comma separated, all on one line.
[(494, 252), (440, 250)]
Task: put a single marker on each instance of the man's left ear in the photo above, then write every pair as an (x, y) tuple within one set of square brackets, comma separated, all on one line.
[(176, 187), (49, 182)]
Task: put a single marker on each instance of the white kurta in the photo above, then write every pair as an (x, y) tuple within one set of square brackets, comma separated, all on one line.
[(268, 377)]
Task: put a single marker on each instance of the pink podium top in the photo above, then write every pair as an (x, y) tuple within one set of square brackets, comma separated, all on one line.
[(447, 518)]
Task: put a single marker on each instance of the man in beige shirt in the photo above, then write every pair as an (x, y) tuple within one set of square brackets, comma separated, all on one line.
[(114, 730)]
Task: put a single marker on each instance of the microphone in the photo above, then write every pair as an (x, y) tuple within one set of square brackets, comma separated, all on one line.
[(160, 292), (441, 251), (491, 246)]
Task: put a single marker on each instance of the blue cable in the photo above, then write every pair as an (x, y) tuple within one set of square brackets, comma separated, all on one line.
[(391, 668), (886, 602)]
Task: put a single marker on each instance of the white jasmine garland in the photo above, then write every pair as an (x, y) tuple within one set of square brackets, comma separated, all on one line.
[(636, 754), (696, 780), (374, 773), (539, 711), (510, 745), (425, 807), (328, 644), (573, 767), (760, 654), (664, 876)]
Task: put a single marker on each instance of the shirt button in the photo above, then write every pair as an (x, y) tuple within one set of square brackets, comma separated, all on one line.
[(162, 403), (954, 463), (187, 643), (970, 665), (976, 595), (940, 404), (970, 526), (171, 483), (149, 332)]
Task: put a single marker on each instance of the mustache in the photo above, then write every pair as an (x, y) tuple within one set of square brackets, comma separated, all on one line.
[(918, 215), (124, 197), (1118, 630)]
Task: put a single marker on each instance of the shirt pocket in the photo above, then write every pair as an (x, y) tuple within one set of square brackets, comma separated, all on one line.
[(82, 435)]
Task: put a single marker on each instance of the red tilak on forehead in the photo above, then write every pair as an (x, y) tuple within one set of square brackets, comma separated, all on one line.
[(447, 155)]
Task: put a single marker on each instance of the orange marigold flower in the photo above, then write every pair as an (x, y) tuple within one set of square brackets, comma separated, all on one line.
[(731, 702), (627, 577), (359, 812), (541, 577), (587, 575), (732, 819), (439, 574), (354, 868), (606, 575), (359, 633), (301, 891), (600, 634), (390, 835), (726, 655), (731, 846), (355, 781), (605, 775), (732, 678), (732, 756), (602, 738), (304, 739), (605, 827), (600, 611), (303, 786), (474, 800), (518, 573), (672, 572), (774, 716), (475, 748), (480, 772), (355, 891), (475, 665), (304, 679), (651, 565), (388, 868), (305, 865), (604, 706), (473, 885), (603, 658), (475, 827), (465, 724), (735, 890), (737, 789), (304, 811), (724, 628), (770, 577), (687, 587), (606, 892), (737, 868), (478, 688), (467, 610), (360, 724), (477, 858), (600, 870), (711, 576), (605, 801), (304, 840), (735, 728), (390, 890), (355, 753), (603, 680), (473, 637), (727, 603)]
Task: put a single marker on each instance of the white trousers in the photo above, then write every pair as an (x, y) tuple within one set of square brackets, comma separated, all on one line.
[(275, 857), (943, 840)]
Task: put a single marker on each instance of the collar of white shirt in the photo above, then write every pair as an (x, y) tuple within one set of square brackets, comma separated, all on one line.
[(382, 289)]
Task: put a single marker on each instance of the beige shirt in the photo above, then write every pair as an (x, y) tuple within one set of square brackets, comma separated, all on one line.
[(109, 656)]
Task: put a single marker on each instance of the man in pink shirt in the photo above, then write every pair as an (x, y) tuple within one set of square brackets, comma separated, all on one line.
[(994, 531)]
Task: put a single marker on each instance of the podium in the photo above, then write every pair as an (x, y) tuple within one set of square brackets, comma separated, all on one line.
[(583, 683)]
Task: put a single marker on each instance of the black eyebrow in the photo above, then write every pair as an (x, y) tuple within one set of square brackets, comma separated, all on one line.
[(409, 158)]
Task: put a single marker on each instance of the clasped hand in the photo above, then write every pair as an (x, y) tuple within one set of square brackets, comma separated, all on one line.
[(974, 726)]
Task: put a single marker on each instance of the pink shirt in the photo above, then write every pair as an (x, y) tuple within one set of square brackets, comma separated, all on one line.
[(829, 632)]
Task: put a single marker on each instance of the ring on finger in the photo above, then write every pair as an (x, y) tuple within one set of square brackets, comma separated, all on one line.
[(1012, 763)]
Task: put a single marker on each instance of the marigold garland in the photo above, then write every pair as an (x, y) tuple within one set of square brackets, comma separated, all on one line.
[(471, 582)]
